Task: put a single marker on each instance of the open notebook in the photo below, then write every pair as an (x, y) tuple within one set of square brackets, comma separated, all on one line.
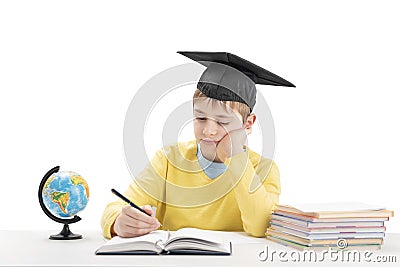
[(183, 241)]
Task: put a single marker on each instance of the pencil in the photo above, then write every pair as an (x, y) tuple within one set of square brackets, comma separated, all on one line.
[(118, 194)]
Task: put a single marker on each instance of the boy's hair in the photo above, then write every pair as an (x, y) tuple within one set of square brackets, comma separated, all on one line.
[(241, 108)]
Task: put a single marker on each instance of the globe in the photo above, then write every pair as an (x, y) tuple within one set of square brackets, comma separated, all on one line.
[(65, 194), (62, 195)]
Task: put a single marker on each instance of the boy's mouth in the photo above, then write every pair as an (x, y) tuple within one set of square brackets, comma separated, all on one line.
[(209, 142)]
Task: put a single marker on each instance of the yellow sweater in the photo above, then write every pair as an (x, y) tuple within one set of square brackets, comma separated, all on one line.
[(240, 199)]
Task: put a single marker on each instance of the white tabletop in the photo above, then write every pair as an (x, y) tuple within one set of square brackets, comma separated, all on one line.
[(33, 248)]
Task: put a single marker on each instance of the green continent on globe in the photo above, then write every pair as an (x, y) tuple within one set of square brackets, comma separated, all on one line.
[(61, 199)]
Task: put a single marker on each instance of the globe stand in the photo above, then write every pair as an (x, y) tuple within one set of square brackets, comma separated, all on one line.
[(65, 234)]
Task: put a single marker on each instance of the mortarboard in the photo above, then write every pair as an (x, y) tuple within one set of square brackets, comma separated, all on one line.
[(232, 78)]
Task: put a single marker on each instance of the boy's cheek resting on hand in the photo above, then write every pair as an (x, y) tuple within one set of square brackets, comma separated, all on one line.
[(232, 144)]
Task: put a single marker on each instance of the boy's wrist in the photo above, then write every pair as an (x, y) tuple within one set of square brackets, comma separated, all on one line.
[(234, 152), (112, 231), (237, 149)]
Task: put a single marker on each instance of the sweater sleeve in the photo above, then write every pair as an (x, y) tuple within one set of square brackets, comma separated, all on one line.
[(147, 189), (257, 191)]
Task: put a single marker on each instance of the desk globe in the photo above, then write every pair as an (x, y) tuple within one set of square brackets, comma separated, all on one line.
[(61, 196)]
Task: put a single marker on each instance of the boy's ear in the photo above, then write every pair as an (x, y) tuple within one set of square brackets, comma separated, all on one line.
[(250, 120), (249, 123)]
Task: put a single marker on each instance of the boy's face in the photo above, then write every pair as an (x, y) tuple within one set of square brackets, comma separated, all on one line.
[(212, 121)]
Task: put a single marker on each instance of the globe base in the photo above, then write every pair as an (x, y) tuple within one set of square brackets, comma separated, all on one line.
[(65, 234)]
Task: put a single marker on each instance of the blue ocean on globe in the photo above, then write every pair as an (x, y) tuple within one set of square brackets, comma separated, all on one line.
[(65, 194)]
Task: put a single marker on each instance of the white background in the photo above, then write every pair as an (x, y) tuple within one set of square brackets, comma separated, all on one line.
[(68, 71)]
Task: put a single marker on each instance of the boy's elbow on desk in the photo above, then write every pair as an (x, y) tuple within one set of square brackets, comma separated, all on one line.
[(255, 233), (255, 230)]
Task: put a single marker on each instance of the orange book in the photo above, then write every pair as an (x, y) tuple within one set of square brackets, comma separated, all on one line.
[(335, 210)]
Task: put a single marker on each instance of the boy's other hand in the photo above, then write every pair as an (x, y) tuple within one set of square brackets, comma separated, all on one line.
[(132, 222), (231, 144)]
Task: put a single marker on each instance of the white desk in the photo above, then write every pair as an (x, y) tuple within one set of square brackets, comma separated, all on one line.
[(33, 248)]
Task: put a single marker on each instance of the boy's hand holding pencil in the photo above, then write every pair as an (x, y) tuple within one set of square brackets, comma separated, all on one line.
[(133, 220)]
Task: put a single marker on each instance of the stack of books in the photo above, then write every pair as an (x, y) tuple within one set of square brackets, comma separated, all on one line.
[(335, 225)]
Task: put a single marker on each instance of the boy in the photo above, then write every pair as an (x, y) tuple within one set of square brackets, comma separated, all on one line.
[(214, 182)]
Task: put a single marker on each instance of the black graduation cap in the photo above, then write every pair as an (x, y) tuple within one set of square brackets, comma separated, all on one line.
[(232, 78)]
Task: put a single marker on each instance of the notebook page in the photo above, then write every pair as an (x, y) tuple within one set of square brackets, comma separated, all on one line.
[(151, 237), (208, 235)]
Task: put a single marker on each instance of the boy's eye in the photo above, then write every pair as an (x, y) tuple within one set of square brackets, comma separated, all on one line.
[(201, 119), (204, 119)]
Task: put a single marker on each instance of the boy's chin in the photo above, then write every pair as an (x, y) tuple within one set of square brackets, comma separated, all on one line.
[(210, 154), (208, 148)]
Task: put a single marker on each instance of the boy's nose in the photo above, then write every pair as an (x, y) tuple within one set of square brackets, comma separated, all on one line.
[(210, 128)]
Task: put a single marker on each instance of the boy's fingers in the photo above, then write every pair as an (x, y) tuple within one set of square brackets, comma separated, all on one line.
[(141, 231), (133, 229), (139, 224), (148, 209), (248, 130), (129, 231), (138, 215)]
